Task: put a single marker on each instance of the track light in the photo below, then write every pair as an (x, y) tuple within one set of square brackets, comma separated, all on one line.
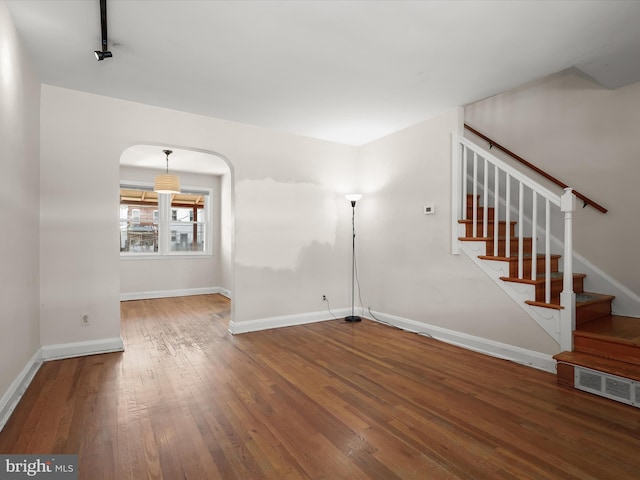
[(102, 55)]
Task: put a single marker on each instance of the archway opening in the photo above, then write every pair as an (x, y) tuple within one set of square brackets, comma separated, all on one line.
[(174, 245)]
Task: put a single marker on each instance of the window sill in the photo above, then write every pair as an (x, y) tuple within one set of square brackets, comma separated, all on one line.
[(169, 256)]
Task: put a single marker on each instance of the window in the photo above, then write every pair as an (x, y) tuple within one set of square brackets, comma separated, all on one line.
[(188, 222), (138, 222), (164, 224)]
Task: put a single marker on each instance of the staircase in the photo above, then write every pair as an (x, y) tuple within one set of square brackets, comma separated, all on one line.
[(589, 306), (602, 351)]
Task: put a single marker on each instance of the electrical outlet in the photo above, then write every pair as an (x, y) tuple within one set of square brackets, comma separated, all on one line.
[(324, 298), (85, 319)]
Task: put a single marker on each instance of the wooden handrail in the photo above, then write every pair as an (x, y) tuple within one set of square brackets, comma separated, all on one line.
[(585, 199)]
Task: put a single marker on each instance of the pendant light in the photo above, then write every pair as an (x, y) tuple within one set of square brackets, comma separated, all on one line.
[(166, 183)]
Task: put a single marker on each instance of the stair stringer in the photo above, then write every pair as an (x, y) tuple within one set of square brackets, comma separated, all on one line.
[(547, 318)]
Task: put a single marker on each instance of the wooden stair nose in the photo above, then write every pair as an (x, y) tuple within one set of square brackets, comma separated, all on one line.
[(540, 278), (600, 364), (583, 300), (514, 258), (556, 284)]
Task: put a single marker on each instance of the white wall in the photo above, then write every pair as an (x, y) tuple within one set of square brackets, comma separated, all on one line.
[(83, 136), (405, 266), (19, 204), (227, 223), (141, 275), (586, 136)]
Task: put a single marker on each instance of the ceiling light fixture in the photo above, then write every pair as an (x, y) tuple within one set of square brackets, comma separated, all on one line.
[(104, 53), (166, 183)]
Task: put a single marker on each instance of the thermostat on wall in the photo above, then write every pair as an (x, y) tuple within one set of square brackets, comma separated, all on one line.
[(429, 209)]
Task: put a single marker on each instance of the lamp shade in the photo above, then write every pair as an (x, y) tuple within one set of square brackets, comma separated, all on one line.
[(167, 183), (353, 197)]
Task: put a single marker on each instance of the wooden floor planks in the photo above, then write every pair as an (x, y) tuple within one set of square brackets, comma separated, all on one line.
[(330, 400)]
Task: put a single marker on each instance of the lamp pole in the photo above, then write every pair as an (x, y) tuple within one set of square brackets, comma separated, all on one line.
[(353, 198)]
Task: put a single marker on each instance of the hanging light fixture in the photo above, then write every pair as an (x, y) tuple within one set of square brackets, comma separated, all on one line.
[(166, 183)]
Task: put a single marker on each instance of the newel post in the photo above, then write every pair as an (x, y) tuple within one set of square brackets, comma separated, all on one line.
[(568, 296)]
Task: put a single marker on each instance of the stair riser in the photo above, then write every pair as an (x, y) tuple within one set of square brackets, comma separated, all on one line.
[(491, 232), (514, 246), (565, 375), (526, 265), (587, 313), (490, 213), (608, 349), (557, 287)]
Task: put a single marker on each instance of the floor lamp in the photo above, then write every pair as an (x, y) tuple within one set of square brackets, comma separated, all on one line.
[(353, 198)]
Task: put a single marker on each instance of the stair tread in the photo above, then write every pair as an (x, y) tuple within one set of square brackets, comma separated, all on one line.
[(587, 298), (480, 221), (526, 256), (582, 299), (541, 277), (474, 239), (612, 327), (601, 364), (500, 238)]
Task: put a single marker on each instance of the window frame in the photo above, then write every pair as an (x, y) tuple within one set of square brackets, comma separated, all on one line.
[(164, 223)]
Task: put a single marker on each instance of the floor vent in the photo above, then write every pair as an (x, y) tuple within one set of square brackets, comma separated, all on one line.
[(609, 386)]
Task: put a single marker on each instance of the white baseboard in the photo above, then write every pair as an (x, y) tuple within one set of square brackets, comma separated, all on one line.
[(505, 351), (12, 396), (184, 292), (224, 292), (79, 349), (286, 321)]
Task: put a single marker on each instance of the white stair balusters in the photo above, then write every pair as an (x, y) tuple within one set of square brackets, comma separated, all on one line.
[(480, 180)]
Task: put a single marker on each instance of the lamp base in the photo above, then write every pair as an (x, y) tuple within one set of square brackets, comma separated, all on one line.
[(352, 318)]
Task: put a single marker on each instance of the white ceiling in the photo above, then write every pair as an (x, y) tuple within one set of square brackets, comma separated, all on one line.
[(346, 71)]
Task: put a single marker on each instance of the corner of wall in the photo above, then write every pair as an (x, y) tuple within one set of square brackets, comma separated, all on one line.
[(16, 390)]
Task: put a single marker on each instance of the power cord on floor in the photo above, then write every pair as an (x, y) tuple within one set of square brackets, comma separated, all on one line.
[(384, 322)]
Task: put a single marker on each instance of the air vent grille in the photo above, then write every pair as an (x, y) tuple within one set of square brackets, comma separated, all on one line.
[(590, 380), (609, 386)]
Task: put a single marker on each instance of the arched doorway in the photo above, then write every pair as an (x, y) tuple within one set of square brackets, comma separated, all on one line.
[(175, 245)]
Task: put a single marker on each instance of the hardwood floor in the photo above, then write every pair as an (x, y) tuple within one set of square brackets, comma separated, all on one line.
[(329, 400)]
